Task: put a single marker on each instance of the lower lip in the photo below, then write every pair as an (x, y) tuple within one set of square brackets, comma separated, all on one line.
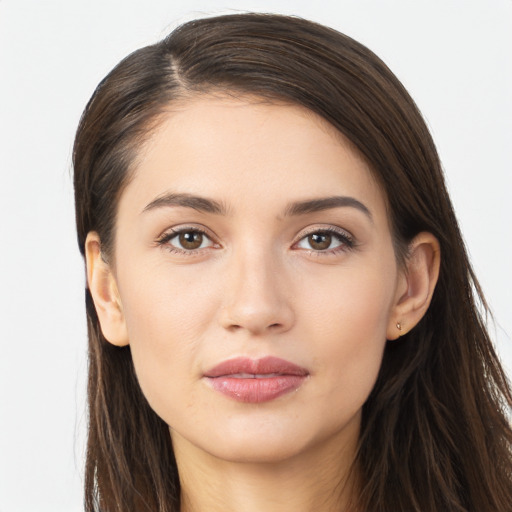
[(256, 390)]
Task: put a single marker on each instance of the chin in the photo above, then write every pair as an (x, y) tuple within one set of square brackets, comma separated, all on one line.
[(273, 442), (257, 450)]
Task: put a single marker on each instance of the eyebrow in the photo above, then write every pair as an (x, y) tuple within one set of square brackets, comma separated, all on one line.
[(326, 203), (296, 208), (201, 204)]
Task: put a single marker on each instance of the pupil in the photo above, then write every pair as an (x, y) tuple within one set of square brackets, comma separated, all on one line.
[(191, 240), (320, 241)]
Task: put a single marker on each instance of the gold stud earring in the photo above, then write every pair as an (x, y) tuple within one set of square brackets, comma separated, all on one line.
[(399, 326)]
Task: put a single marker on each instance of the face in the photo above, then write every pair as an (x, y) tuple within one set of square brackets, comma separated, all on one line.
[(257, 278)]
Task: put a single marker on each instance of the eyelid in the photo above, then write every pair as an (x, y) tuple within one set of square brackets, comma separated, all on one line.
[(349, 241), (325, 228), (170, 233)]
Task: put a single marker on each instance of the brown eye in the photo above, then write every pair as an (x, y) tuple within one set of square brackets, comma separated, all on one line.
[(320, 241), (186, 240), (325, 241), (191, 240)]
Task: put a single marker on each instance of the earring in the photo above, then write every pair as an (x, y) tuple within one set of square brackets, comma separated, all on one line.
[(399, 326)]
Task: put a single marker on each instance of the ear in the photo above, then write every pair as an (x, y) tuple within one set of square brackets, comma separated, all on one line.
[(416, 285), (103, 288)]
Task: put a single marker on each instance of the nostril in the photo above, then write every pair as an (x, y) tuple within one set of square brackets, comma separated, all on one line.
[(258, 316)]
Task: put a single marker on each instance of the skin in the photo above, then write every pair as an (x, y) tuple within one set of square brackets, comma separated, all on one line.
[(257, 286)]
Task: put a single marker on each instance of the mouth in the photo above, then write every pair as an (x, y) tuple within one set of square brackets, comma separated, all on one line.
[(255, 380)]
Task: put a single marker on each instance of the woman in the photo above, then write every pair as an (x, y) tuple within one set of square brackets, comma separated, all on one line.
[(281, 311)]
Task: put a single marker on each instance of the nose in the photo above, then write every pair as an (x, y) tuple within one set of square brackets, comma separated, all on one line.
[(257, 298)]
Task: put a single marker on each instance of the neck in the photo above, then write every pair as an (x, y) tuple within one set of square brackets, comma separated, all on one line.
[(318, 479)]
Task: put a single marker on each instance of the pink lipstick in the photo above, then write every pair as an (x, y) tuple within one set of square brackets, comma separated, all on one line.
[(255, 380)]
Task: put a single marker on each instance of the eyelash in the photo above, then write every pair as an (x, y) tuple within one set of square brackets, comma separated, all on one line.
[(164, 240), (346, 240)]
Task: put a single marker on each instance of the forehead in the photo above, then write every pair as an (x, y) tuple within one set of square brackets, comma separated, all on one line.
[(235, 149)]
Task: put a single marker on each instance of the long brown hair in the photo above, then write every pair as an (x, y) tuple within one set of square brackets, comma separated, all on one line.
[(434, 435)]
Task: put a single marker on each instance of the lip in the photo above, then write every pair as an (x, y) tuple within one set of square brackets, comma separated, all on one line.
[(255, 380)]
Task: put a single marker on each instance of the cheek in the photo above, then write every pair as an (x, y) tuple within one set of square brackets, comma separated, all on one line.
[(166, 318), (162, 306), (348, 319)]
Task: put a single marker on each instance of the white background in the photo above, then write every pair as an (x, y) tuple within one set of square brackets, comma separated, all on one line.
[(454, 56)]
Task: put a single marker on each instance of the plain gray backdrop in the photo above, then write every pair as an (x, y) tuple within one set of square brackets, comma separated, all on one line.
[(454, 57)]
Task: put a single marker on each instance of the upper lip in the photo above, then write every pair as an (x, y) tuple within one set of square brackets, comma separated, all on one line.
[(271, 366)]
